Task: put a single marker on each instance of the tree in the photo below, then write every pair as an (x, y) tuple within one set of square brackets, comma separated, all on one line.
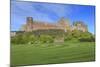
[(46, 39), (76, 33), (68, 36), (87, 37)]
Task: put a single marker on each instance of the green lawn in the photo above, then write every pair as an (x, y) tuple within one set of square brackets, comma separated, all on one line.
[(52, 53)]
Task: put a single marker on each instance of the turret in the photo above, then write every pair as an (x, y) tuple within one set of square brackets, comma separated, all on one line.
[(65, 24), (29, 24), (81, 26), (29, 20)]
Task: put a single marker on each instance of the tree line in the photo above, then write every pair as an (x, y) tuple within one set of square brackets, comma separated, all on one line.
[(49, 36)]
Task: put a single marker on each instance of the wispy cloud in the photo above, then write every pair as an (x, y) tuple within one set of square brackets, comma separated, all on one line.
[(34, 9)]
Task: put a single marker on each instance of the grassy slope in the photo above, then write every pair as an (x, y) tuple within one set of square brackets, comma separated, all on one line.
[(57, 53)]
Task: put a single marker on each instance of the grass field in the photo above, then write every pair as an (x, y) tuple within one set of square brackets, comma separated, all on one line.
[(52, 53)]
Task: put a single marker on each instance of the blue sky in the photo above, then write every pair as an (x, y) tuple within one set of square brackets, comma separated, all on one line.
[(51, 13)]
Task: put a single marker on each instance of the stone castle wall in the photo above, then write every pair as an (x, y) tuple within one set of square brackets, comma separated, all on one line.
[(62, 24)]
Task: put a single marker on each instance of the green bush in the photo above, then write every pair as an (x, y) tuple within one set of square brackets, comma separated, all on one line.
[(87, 37), (76, 35), (18, 39), (23, 38), (46, 39)]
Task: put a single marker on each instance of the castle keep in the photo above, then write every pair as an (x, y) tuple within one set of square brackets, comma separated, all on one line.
[(62, 24)]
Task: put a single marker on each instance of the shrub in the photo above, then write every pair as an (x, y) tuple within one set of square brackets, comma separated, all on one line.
[(45, 39), (87, 37), (68, 36), (23, 38), (17, 39), (76, 33)]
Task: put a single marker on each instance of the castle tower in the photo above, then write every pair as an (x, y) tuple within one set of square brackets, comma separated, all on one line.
[(29, 24), (65, 24), (81, 26), (29, 20)]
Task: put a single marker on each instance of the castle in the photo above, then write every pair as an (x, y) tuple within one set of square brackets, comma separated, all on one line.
[(62, 24)]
